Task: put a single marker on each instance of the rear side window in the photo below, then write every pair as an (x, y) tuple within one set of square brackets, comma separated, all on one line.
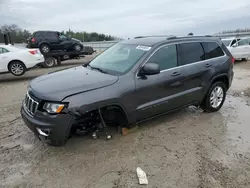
[(212, 50), (165, 57), (190, 53), (52, 34)]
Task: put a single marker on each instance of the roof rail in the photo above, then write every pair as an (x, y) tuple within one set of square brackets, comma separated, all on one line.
[(153, 36), (189, 36), (171, 37)]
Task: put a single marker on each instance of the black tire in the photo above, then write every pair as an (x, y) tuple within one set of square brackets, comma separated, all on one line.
[(17, 68), (58, 139), (206, 104), (49, 62), (44, 48), (77, 47), (58, 142)]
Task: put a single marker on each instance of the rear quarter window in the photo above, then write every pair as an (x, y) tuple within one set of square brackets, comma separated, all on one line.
[(212, 50)]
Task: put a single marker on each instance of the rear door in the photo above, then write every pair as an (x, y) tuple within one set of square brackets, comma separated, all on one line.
[(53, 39), (215, 58), (192, 64), (242, 49)]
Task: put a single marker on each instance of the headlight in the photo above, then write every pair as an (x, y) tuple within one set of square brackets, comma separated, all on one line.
[(53, 107)]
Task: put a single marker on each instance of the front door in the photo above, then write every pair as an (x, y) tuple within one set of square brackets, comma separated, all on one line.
[(157, 93)]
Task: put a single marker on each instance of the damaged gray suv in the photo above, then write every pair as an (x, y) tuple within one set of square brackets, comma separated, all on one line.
[(132, 81)]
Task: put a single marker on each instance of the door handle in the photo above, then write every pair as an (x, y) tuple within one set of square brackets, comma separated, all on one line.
[(176, 74), (208, 65)]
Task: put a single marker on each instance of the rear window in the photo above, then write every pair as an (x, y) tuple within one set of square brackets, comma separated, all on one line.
[(212, 50), (190, 53)]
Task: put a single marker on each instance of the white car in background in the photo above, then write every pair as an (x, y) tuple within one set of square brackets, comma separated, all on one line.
[(241, 49), (17, 60), (230, 41)]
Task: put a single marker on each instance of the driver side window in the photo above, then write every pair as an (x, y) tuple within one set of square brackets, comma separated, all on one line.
[(165, 57)]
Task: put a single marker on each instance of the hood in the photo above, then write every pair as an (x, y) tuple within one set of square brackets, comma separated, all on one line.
[(58, 85)]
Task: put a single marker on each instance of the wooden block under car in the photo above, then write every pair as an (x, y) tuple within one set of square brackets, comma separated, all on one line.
[(126, 131)]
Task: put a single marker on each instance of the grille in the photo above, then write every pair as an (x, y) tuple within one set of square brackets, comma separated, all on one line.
[(31, 104)]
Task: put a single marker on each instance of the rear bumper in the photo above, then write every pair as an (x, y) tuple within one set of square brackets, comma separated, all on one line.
[(50, 126), (32, 64)]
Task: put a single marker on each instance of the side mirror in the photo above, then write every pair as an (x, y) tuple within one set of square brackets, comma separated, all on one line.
[(149, 69)]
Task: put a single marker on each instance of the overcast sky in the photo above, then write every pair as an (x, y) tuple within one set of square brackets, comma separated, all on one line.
[(128, 18)]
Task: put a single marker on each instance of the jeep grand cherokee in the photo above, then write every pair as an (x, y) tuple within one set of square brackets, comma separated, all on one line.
[(130, 82)]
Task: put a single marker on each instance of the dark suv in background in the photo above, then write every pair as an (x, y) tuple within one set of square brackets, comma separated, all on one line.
[(47, 41), (130, 82)]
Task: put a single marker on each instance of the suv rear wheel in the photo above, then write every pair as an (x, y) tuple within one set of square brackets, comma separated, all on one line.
[(45, 48), (215, 97)]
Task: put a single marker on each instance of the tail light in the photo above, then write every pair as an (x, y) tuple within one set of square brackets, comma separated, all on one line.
[(233, 60), (33, 52), (33, 39)]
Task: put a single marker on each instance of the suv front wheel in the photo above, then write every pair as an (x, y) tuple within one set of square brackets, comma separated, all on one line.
[(77, 47), (215, 97)]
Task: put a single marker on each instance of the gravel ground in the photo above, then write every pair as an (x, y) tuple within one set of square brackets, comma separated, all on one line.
[(185, 149)]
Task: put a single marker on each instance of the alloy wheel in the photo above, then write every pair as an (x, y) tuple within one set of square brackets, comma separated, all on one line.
[(17, 69), (216, 97)]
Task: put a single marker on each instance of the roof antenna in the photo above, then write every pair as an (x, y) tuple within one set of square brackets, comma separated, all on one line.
[(190, 34)]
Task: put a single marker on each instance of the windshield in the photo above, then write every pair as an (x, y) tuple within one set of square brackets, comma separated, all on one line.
[(226, 42), (119, 58)]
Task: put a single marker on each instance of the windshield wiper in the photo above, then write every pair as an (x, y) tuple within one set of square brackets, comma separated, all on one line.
[(99, 69)]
